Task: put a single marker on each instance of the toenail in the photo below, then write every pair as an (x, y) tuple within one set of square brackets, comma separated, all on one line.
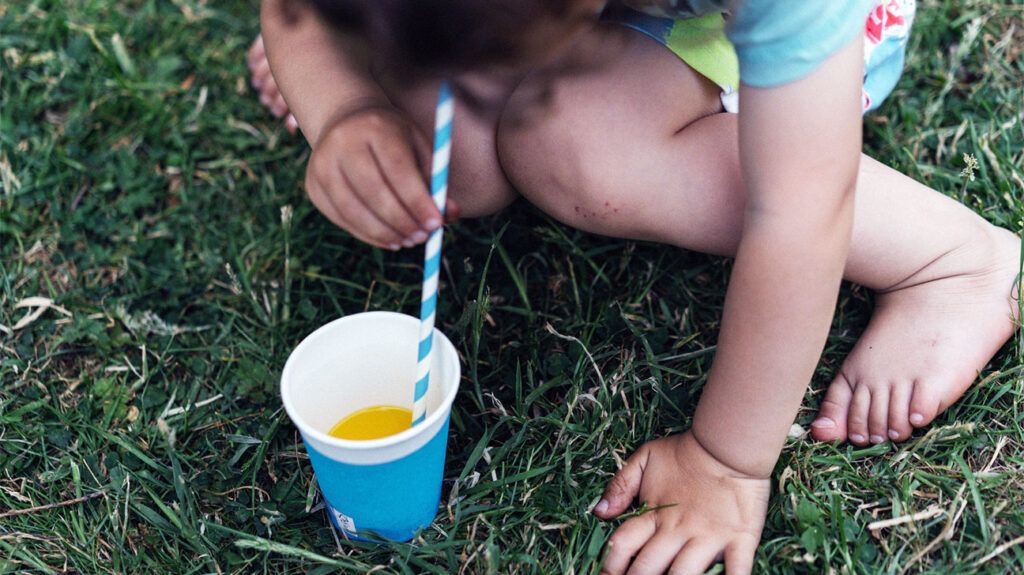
[(877, 439), (857, 437), (824, 423), (893, 434), (916, 418)]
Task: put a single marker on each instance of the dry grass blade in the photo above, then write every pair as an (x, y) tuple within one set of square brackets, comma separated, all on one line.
[(929, 513), (75, 501)]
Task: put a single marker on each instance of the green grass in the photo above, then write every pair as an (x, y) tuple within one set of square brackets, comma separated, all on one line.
[(142, 188)]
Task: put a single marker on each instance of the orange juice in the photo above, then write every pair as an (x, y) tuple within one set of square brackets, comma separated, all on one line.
[(373, 423)]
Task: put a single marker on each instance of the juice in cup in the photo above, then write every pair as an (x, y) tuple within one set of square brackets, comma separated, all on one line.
[(373, 423), (388, 487)]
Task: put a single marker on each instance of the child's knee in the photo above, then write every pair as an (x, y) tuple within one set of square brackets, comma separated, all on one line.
[(548, 152)]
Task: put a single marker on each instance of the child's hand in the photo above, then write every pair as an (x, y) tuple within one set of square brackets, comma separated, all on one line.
[(366, 176), (710, 511)]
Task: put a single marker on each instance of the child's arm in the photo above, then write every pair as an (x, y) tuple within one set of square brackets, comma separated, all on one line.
[(353, 129), (800, 150)]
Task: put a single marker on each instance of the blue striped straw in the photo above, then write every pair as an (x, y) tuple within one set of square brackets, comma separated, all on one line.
[(432, 254)]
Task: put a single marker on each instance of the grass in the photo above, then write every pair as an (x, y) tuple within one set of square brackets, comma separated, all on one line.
[(142, 189)]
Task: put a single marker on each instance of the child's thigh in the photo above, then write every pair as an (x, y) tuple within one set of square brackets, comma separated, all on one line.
[(476, 181), (573, 138)]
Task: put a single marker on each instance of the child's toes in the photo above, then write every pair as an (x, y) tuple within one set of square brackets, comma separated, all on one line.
[(857, 419), (278, 106), (256, 51), (899, 411), (830, 424), (878, 415), (924, 405), (260, 74)]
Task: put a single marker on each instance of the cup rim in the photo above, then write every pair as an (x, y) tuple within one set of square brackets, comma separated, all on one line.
[(369, 444)]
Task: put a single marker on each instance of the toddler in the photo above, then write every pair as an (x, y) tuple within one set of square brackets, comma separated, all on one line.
[(732, 128)]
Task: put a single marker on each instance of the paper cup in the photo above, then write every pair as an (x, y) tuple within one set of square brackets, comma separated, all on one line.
[(378, 488)]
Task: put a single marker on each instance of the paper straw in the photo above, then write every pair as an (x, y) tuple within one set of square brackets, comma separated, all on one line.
[(432, 254)]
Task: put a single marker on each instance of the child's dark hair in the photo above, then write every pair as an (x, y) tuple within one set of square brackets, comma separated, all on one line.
[(442, 34)]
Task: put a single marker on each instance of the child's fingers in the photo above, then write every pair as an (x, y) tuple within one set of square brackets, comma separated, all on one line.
[(291, 124), (367, 227), (623, 487), (366, 180), (398, 163), (347, 211), (323, 204), (695, 557), (423, 151), (739, 557), (657, 554), (626, 541)]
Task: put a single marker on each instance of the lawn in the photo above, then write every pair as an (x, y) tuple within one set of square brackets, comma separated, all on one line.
[(150, 292)]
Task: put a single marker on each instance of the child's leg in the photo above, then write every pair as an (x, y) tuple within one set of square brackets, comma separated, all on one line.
[(601, 153), (477, 181), (263, 81)]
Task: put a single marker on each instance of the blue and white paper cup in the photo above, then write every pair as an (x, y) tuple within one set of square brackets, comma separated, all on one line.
[(378, 488)]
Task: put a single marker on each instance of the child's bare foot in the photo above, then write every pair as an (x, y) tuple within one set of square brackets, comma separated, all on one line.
[(925, 345), (264, 83)]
